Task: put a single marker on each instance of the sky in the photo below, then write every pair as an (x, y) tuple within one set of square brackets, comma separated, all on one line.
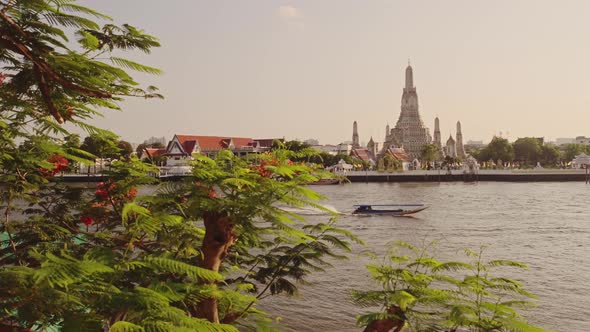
[(308, 69)]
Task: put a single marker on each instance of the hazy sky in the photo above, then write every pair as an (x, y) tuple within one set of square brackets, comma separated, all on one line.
[(308, 69)]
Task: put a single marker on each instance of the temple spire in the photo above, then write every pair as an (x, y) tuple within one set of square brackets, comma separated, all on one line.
[(409, 76), (372, 147), (460, 148), (437, 138), (355, 136)]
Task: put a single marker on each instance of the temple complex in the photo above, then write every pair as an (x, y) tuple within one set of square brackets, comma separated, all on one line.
[(409, 132), (409, 135)]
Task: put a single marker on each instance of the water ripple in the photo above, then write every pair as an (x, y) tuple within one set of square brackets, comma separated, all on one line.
[(541, 224)]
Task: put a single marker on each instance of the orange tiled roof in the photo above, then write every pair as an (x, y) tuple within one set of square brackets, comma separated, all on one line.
[(399, 154), (151, 152), (210, 143)]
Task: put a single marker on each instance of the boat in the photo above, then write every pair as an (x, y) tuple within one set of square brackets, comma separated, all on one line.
[(323, 182), (389, 209)]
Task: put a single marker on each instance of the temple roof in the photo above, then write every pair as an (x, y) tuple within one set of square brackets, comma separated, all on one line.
[(362, 154), (399, 154)]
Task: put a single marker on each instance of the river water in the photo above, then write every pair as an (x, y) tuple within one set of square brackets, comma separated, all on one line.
[(545, 225)]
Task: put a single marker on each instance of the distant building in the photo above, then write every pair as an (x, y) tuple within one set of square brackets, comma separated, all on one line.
[(581, 161), (343, 148), (583, 140), (564, 141), (475, 144), (311, 141), (266, 143), (451, 147), (331, 149)]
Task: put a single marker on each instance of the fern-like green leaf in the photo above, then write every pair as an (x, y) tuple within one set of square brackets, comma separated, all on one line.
[(135, 66)]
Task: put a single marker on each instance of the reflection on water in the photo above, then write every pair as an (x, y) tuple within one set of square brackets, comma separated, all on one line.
[(544, 225)]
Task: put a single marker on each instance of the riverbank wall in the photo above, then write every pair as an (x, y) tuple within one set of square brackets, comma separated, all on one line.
[(562, 175), (483, 175)]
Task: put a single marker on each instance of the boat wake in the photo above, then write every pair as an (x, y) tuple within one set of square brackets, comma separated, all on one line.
[(310, 211)]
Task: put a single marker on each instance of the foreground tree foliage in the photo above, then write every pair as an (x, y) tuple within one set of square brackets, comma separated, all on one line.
[(420, 293), (195, 255)]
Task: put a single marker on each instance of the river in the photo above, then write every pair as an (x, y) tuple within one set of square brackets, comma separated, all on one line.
[(545, 225)]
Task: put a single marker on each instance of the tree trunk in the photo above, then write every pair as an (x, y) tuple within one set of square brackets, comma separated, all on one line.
[(219, 237), (386, 324)]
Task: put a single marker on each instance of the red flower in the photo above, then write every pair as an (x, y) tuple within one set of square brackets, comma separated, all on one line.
[(212, 193), (104, 189), (130, 194), (60, 164), (87, 220), (2, 78), (262, 171)]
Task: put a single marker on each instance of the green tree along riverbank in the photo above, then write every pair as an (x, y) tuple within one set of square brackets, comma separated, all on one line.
[(197, 255)]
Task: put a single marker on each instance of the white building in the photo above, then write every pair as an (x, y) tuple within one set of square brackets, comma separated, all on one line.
[(330, 149), (580, 161), (343, 148)]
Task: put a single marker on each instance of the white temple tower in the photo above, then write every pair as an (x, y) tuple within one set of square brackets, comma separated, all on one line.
[(451, 147), (437, 139), (459, 143)]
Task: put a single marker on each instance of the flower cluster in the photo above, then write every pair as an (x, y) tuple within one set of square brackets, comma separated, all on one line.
[(60, 163), (110, 191), (261, 169), (205, 188), (267, 173), (87, 220), (2, 78), (103, 189)]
